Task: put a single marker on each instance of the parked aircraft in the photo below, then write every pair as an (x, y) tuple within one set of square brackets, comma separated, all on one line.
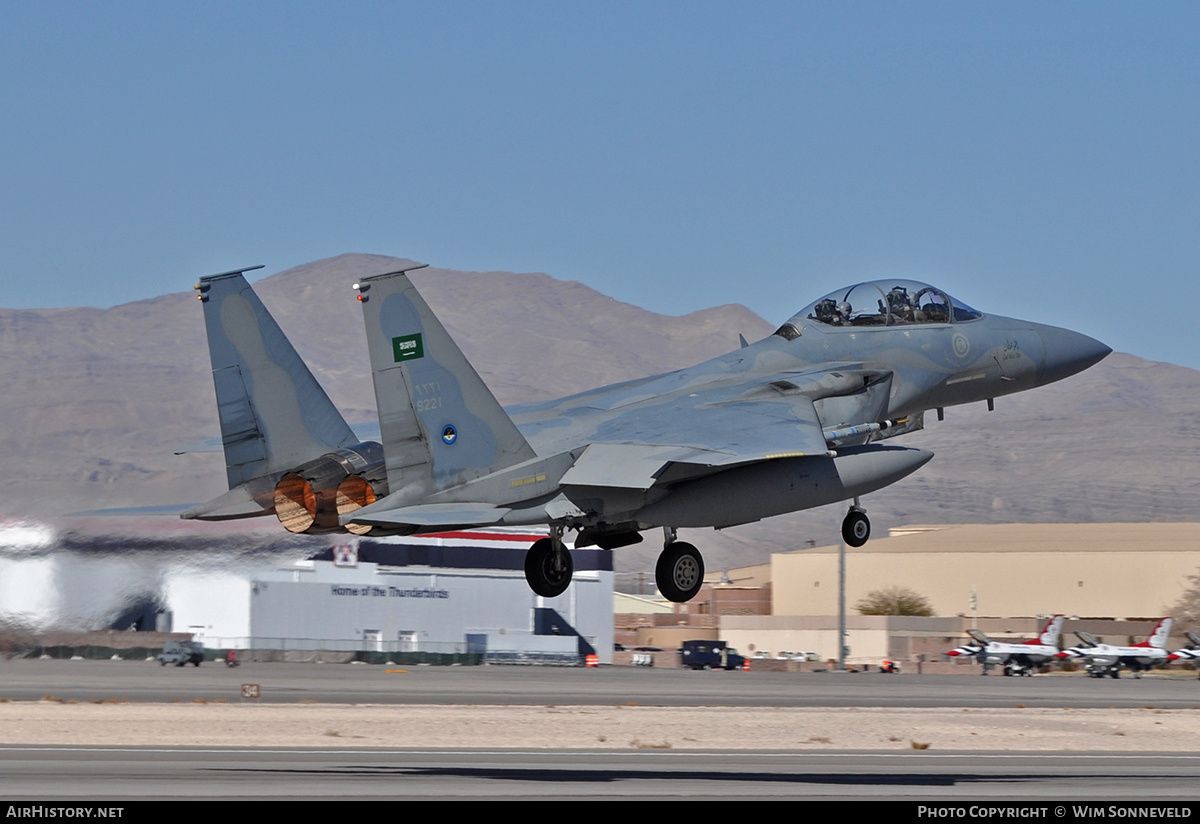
[(790, 422), (1018, 659), (1189, 653), (1108, 659)]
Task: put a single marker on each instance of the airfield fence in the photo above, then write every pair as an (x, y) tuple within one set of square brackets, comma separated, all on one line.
[(297, 650)]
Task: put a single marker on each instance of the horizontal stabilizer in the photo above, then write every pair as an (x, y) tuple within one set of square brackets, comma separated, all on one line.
[(234, 504), (200, 445), (132, 511)]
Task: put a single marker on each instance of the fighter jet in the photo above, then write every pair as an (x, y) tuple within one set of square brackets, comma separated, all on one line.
[(789, 422), (1107, 659), (1018, 659), (1189, 653)]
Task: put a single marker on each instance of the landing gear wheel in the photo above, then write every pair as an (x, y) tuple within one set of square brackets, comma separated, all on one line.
[(548, 569), (680, 572), (856, 529)]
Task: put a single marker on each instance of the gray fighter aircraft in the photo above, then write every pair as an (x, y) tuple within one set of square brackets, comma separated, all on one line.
[(790, 422)]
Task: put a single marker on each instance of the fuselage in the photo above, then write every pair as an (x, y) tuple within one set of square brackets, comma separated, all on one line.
[(1027, 655), (930, 366), (869, 378), (784, 424), (1109, 656)]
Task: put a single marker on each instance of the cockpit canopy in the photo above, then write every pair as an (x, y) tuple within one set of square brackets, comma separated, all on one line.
[(886, 303)]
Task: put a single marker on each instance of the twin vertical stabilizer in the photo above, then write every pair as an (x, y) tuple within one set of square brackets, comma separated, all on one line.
[(274, 415), (440, 423)]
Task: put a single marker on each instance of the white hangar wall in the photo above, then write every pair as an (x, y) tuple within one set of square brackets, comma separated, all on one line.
[(429, 610), (451, 593)]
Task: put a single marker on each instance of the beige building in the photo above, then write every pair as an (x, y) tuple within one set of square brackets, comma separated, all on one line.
[(1112, 580), (1115, 571)]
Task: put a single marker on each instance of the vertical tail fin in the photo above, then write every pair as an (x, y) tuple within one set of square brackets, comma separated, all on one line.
[(274, 415), (1158, 638), (440, 423), (1050, 632)]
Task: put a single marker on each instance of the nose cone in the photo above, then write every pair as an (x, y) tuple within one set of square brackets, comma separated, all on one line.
[(1066, 353)]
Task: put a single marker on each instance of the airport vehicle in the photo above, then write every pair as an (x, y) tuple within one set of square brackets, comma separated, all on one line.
[(181, 653), (1020, 658), (1108, 659), (710, 655), (790, 422)]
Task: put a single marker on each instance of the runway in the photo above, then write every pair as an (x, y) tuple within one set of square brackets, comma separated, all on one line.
[(1061, 737), (114, 774), (22, 680)]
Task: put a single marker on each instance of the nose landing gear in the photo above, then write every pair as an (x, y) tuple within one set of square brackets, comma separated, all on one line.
[(856, 528)]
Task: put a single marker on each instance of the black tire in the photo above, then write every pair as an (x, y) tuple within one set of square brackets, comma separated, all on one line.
[(679, 572), (548, 572), (856, 528)]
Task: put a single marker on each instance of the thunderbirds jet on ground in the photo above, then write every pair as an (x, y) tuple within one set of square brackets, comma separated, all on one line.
[(787, 423), (1018, 659), (1189, 653), (1107, 659)]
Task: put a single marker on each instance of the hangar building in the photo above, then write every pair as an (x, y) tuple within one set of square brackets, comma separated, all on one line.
[(1116, 571), (449, 594)]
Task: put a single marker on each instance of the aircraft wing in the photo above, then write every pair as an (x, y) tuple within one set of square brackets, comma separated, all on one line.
[(630, 440), (719, 433)]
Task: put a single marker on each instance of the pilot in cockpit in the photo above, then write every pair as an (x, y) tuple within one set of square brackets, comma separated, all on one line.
[(831, 312), (900, 306)]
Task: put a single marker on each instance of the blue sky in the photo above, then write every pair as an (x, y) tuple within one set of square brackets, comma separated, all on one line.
[(1033, 159)]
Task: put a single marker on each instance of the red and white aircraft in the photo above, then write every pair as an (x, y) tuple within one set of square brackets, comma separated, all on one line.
[(1189, 653), (1018, 659), (1108, 659)]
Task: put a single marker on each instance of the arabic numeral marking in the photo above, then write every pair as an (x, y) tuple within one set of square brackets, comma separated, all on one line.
[(426, 404)]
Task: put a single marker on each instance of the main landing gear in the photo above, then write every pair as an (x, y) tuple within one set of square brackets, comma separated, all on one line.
[(548, 565), (679, 572), (856, 528), (680, 569)]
